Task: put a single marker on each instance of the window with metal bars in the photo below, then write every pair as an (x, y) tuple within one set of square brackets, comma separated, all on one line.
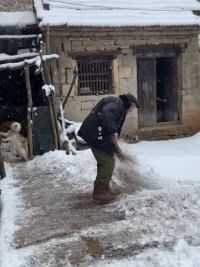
[(94, 75)]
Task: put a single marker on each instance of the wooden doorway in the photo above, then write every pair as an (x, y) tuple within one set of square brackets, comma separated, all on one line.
[(166, 90), (157, 90)]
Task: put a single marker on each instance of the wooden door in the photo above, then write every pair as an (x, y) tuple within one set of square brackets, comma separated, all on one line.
[(42, 131), (147, 91)]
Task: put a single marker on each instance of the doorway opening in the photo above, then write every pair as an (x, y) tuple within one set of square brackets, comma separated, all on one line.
[(166, 92), (157, 90)]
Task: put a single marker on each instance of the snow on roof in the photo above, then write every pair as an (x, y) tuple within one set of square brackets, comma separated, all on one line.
[(19, 36), (117, 12), (19, 19), (30, 61)]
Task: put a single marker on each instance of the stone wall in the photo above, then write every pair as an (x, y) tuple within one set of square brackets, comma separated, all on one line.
[(191, 84), (66, 43), (15, 5)]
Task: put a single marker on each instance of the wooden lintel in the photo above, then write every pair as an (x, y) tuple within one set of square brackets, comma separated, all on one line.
[(112, 53)]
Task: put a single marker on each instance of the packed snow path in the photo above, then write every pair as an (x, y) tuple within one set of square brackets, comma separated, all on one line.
[(49, 218)]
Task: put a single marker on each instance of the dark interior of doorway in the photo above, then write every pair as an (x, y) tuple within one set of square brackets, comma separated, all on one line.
[(166, 90), (13, 95)]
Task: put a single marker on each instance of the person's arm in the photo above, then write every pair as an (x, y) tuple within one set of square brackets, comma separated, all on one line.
[(117, 148), (111, 124)]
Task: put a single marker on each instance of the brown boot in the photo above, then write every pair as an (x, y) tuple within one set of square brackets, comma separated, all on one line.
[(102, 193), (116, 193)]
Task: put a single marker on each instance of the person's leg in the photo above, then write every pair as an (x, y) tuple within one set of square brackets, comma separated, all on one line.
[(105, 167)]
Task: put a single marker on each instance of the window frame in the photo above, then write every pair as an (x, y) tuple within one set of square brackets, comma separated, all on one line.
[(103, 62)]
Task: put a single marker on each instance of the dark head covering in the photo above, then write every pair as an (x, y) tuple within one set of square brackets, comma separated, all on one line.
[(128, 100)]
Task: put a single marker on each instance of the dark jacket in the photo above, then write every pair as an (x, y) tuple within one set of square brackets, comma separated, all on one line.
[(106, 119)]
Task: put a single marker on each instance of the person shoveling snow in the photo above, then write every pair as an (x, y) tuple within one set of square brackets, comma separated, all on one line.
[(101, 130)]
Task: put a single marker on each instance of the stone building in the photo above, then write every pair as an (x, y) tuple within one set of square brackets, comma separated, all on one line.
[(149, 49)]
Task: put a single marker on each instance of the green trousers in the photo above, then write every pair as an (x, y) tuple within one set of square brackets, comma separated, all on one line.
[(105, 166)]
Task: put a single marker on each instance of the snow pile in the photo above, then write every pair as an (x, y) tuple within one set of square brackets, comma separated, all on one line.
[(118, 13), (81, 166)]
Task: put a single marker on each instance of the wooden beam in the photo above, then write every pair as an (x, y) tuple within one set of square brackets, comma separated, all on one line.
[(5, 58), (109, 53), (18, 37), (48, 40), (33, 61), (71, 87), (29, 109)]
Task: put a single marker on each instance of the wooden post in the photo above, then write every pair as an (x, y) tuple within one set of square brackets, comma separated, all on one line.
[(2, 168), (29, 109), (71, 87), (52, 103), (48, 40), (47, 80), (58, 67)]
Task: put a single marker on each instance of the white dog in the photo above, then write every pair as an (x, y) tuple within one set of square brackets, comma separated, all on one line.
[(17, 141)]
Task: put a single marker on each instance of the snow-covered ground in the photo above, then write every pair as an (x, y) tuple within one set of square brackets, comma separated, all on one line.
[(182, 255), (163, 177)]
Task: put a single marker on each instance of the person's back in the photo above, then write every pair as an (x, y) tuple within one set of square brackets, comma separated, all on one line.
[(105, 119)]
